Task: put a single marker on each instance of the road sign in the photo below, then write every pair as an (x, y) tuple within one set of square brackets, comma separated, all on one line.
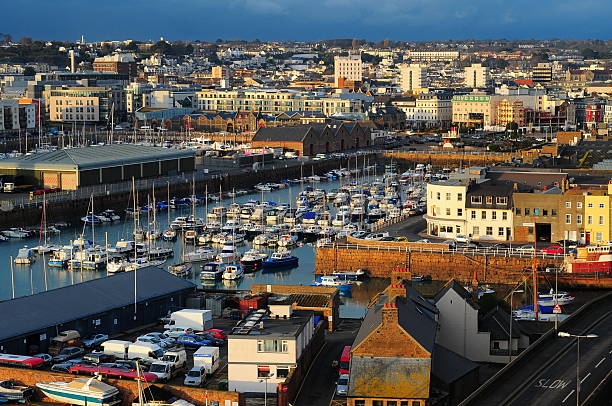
[(557, 309)]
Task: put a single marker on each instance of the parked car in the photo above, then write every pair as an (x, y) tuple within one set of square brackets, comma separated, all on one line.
[(342, 385), (95, 340), (154, 340), (217, 342), (451, 243), (359, 234), (401, 239), (553, 249), (526, 248), (423, 241), (461, 239), (45, 357), (193, 341), (161, 336), (64, 366), (69, 353), (175, 332), (215, 332), (499, 246), (98, 357)]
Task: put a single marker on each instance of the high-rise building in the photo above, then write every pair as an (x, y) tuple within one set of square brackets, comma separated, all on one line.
[(413, 76), (348, 68), (477, 75), (220, 72), (119, 63), (542, 73)]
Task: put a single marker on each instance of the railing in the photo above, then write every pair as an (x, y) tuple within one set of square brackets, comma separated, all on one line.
[(384, 223), (484, 251)]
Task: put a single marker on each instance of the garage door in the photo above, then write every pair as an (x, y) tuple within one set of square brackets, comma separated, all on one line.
[(51, 179), (69, 181)]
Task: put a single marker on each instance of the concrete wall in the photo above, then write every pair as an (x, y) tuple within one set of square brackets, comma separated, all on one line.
[(128, 388)]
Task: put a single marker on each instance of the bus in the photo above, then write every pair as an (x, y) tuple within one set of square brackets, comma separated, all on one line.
[(21, 361), (345, 360)]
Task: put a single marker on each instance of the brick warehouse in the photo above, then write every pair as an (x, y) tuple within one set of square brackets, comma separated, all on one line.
[(312, 139)]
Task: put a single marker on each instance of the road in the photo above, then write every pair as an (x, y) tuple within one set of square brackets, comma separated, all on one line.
[(319, 386)]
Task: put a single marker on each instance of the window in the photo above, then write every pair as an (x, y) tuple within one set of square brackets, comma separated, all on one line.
[(496, 345), (391, 403), (501, 200), (457, 229), (416, 403), (477, 199), (282, 372), (500, 232), (493, 215), (438, 195), (475, 230), (601, 205), (459, 212), (589, 220), (377, 403), (590, 205), (359, 402), (489, 230), (473, 214), (504, 215), (553, 212), (272, 346), (568, 219), (483, 215), (459, 197), (448, 211), (263, 371), (579, 205), (489, 199), (578, 218), (448, 196), (601, 220), (568, 205), (527, 211), (598, 237), (518, 211)]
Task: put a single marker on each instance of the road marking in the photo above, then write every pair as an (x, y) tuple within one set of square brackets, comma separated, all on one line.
[(599, 363), (548, 384), (587, 375), (568, 395)]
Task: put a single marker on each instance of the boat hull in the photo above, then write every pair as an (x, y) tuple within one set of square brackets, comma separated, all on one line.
[(75, 398)]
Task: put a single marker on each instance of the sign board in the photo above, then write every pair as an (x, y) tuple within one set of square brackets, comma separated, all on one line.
[(557, 309), (528, 224)]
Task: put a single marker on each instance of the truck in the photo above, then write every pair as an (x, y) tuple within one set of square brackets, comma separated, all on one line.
[(208, 358), (67, 338), (116, 348), (195, 319), (145, 351)]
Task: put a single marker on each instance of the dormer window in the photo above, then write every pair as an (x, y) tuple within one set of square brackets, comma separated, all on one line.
[(489, 199), (476, 199)]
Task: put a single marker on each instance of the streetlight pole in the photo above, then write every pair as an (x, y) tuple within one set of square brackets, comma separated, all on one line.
[(511, 320), (577, 337), (265, 380)]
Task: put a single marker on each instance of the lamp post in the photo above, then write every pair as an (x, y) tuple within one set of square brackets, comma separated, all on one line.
[(265, 380), (577, 337), (510, 336)]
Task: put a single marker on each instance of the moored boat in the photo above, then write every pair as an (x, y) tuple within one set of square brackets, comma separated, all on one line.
[(82, 391)]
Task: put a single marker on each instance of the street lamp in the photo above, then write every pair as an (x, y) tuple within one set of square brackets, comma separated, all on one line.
[(265, 379), (510, 336), (577, 337)]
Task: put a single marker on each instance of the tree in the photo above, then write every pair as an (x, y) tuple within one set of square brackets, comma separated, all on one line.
[(513, 128), (25, 41), (588, 53), (29, 71), (7, 39)]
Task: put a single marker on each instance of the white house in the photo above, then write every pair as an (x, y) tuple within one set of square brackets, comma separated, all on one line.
[(266, 346)]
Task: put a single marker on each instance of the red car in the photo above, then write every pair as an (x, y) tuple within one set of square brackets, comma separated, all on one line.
[(216, 333), (553, 249)]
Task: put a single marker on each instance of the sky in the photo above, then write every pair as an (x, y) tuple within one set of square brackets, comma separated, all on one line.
[(310, 20)]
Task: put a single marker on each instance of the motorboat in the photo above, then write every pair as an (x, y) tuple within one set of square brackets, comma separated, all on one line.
[(262, 239), (159, 253), (212, 271), (190, 236), (252, 259), (280, 259), (552, 298), (182, 270), (332, 281), (11, 392), (122, 247), (287, 240), (25, 256), (200, 254), (169, 235), (233, 272), (88, 259), (350, 275), (229, 254), (137, 263), (117, 266), (91, 219), (82, 391)]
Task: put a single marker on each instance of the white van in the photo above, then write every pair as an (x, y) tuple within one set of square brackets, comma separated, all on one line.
[(145, 351), (116, 348)]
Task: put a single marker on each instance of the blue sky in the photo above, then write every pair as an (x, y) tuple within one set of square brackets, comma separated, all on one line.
[(207, 20)]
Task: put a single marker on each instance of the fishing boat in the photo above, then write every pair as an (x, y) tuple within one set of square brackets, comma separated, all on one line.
[(212, 271), (332, 281), (25, 256), (233, 272), (280, 259), (11, 392), (200, 254), (82, 391), (350, 275)]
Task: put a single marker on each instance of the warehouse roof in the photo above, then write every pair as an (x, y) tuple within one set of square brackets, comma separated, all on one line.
[(92, 157), (32, 313)]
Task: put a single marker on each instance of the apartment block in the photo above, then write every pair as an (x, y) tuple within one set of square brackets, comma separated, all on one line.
[(17, 116), (432, 56), (349, 68), (477, 76), (85, 104), (413, 76)]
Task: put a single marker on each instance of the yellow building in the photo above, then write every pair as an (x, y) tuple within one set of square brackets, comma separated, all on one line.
[(597, 215)]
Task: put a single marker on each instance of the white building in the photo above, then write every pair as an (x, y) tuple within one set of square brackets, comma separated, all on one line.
[(263, 349), (16, 116), (446, 208), (348, 67), (431, 56), (477, 76), (413, 76)]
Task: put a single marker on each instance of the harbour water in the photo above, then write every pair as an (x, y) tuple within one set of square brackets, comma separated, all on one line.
[(21, 280)]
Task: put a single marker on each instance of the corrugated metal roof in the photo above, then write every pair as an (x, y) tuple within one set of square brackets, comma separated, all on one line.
[(97, 156), (31, 313)]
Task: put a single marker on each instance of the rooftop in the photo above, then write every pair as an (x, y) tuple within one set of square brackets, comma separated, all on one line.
[(259, 324)]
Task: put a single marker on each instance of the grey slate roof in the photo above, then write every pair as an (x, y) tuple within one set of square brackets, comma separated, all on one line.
[(459, 289), (31, 313), (291, 133), (94, 157), (448, 366), (497, 322)]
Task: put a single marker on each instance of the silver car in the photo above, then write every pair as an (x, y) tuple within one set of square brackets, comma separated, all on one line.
[(342, 385)]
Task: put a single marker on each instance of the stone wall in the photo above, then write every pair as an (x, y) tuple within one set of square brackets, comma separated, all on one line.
[(440, 266), (128, 388), (455, 158)]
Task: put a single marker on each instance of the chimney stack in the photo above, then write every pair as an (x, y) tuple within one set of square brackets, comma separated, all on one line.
[(389, 314)]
